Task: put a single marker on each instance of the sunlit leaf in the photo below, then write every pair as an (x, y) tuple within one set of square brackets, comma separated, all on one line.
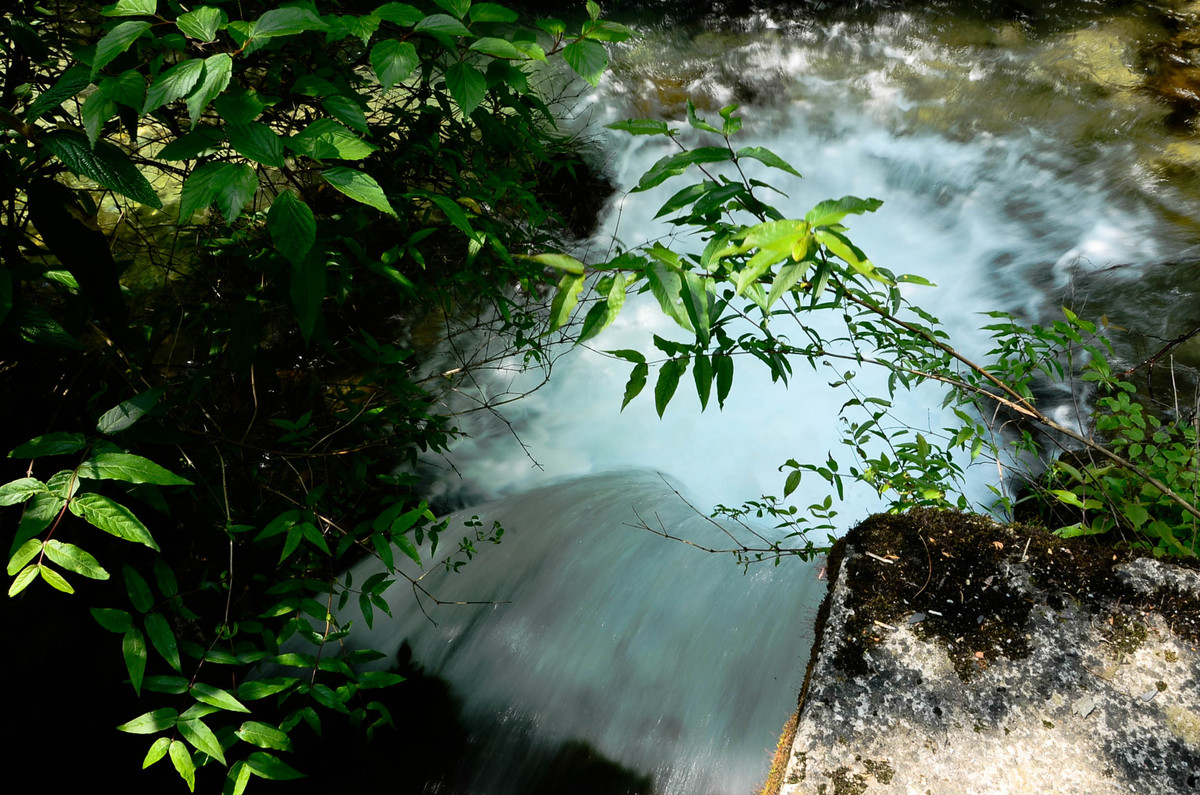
[(358, 186), (72, 558), (128, 468), (151, 722), (107, 165), (112, 518)]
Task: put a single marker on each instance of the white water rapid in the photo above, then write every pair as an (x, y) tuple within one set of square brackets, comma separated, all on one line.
[(1013, 176)]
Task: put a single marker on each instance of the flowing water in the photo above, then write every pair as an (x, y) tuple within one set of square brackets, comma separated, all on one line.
[(1023, 166)]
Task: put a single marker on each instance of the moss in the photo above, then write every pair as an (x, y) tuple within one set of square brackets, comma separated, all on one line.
[(847, 783), (880, 769), (1124, 634)]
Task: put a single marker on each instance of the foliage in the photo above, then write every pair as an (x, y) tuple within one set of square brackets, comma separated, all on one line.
[(759, 272), (226, 220)]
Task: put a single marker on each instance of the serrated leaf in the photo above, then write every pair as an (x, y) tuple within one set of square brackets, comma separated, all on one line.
[(133, 649), (588, 58), (358, 186), (292, 226), (115, 42), (39, 513), (257, 142), (202, 23), (492, 12), (399, 14), (182, 760), (442, 25), (264, 736), (128, 468), (393, 61), (72, 558), (163, 639), (128, 412), (175, 83), (132, 8), (190, 146), (71, 82), (497, 48), (216, 697), (22, 580), (20, 490), (96, 110), (456, 7), (158, 749), (201, 738), (242, 107), (218, 70), (151, 722), (50, 444), (113, 518), (467, 86), (230, 185), (286, 22), (325, 138), (107, 165)]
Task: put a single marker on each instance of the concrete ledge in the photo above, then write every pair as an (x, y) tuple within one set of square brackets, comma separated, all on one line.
[(957, 656)]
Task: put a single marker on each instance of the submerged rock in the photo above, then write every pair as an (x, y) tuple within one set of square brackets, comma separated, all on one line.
[(959, 656)]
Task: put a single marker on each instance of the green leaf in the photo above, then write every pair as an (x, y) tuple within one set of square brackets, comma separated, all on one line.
[(133, 649), (26, 576), (163, 639), (492, 12), (50, 444), (158, 749), (668, 380), (325, 138), (261, 688), (72, 558), (723, 364), (175, 83), (128, 468), (696, 121), (201, 738), (588, 58), (441, 24), (833, 211), (308, 292), (642, 127), (702, 372), (286, 22), (137, 589), (107, 165), (112, 619), (565, 298), (292, 226), (151, 722), (115, 42), (97, 109), (20, 490), (202, 24), (603, 314), (39, 513), (358, 186), (218, 70), (268, 766), (25, 553), (132, 8), (182, 759), (122, 416), (676, 164), (192, 145), (694, 292), (113, 518), (347, 111), (399, 14), (467, 86), (636, 383), (242, 107), (264, 736), (216, 697), (768, 157), (230, 185), (666, 285), (497, 48), (456, 7), (71, 82), (560, 262), (257, 142)]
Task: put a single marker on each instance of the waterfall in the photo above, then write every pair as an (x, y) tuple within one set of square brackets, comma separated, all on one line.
[(1012, 177)]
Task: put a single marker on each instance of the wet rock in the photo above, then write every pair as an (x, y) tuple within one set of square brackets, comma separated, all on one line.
[(1040, 665)]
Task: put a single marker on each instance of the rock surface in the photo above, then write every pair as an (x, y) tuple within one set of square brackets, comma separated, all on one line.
[(959, 656)]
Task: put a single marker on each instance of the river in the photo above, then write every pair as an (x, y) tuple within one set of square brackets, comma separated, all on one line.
[(1026, 162)]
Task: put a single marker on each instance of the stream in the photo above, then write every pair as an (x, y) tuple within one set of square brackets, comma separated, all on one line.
[(1025, 163)]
